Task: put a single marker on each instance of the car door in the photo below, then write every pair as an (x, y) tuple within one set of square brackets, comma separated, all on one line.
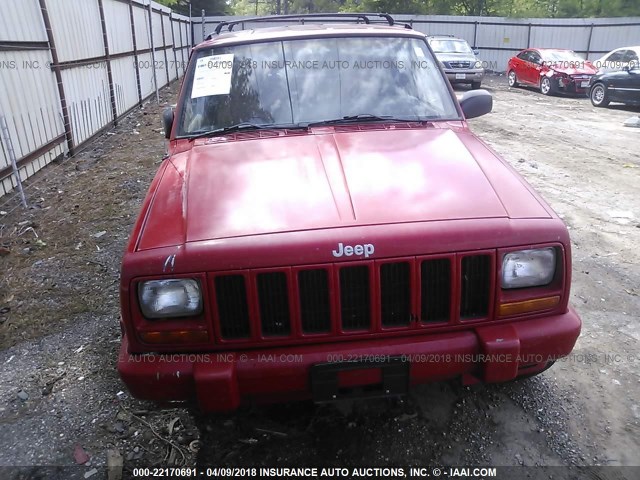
[(519, 65), (534, 67), (627, 85)]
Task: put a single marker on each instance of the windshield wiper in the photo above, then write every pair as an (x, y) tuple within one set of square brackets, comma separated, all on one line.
[(364, 117), (347, 119), (233, 128), (243, 126)]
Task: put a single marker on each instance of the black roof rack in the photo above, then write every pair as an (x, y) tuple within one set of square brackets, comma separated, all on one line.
[(364, 17)]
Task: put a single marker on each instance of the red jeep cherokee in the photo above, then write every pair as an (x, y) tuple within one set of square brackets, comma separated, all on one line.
[(326, 226)]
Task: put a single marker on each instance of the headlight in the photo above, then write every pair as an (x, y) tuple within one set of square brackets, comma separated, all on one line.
[(170, 298), (528, 268)]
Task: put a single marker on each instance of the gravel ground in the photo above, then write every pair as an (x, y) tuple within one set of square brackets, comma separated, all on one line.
[(60, 396)]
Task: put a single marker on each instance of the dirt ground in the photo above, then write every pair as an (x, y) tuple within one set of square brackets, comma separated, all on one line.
[(60, 397)]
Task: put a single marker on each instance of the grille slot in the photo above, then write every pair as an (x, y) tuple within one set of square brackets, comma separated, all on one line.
[(435, 290), (395, 294), (274, 303), (231, 296), (314, 301), (460, 64), (474, 301), (355, 305)]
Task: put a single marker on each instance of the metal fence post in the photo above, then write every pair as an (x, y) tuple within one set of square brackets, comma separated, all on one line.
[(475, 35), (153, 52), (56, 70), (164, 47), (112, 94), (203, 31), (191, 37), (173, 42), (135, 51), (6, 139), (186, 24), (182, 45), (589, 41)]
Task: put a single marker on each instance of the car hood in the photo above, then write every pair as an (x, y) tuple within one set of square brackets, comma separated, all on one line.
[(228, 187)]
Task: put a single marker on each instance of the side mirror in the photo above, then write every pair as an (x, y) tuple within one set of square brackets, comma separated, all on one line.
[(476, 52), (167, 120), (476, 103)]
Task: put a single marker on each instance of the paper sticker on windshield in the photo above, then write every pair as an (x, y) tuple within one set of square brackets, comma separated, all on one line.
[(418, 50), (213, 76)]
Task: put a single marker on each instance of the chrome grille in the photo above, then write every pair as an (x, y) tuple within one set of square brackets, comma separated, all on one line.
[(459, 64)]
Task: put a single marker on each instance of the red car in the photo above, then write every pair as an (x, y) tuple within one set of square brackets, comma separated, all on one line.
[(327, 226), (551, 70)]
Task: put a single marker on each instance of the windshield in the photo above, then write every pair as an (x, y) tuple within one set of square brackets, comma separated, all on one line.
[(561, 56), (297, 82), (450, 46)]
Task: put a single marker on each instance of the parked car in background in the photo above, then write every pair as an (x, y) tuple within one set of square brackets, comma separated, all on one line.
[(550, 70), (327, 233), (459, 61), (618, 59), (622, 87)]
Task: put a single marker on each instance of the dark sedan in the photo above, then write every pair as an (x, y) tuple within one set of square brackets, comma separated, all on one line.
[(623, 87)]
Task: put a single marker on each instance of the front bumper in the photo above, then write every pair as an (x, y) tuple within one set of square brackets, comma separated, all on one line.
[(222, 381), (464, 76), (572, 85)]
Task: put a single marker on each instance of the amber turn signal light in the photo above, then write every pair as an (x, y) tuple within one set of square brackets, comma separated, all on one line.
[(528, 306), (175, 336)]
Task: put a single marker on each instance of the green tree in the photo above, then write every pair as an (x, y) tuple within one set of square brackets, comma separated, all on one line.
[(211, 7), (502, 8), (387, 6), (251, 8)]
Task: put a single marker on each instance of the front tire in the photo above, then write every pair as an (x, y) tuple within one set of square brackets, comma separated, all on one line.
[(512, 79), (598, 95), (546, 87), (475, 85)]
